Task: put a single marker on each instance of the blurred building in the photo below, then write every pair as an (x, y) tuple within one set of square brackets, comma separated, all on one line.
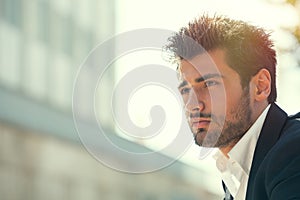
[(43, 42)]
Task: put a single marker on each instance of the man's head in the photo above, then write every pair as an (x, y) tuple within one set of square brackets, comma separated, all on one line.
[(220, 58), (248, 48)]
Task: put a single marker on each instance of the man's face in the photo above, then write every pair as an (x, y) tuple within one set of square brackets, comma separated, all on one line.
[(217, 108)]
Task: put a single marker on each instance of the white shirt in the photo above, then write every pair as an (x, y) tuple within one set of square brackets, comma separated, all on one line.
[(235, 169)]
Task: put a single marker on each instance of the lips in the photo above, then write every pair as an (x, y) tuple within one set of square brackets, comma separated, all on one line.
[(200, 123)]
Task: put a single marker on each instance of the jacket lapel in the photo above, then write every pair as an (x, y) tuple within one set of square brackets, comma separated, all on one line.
[(269, 135)]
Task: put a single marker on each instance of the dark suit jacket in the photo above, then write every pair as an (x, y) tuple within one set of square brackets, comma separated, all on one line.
[(275, 170)]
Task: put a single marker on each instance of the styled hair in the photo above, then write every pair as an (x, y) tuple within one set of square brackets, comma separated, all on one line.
[(247, 48)]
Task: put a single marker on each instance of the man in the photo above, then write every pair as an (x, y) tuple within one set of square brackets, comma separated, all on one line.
[(226, 70)]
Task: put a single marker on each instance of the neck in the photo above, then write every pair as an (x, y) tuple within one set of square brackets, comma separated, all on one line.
[(255, 115), (225, 150)]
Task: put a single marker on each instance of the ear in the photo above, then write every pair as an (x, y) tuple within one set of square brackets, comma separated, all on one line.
[(262, 85)]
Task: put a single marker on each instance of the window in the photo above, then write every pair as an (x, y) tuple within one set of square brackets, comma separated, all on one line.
[(10, 55), (12, 11), (43, 17)]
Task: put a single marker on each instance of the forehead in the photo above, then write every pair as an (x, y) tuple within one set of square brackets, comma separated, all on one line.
[(207, 63)]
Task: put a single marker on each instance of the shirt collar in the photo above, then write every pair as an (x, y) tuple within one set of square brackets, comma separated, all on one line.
[(235, 169)]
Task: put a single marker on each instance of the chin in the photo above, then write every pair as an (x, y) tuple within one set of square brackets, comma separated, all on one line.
[(200, 138), (209, 140)]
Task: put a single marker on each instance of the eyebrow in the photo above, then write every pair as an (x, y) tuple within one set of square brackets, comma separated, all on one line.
[(201, 79)]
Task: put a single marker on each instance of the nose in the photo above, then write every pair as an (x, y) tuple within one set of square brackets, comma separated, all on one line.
[(194, 102)]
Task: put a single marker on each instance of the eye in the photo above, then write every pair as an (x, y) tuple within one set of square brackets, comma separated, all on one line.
[(211, 83), (184, 91)]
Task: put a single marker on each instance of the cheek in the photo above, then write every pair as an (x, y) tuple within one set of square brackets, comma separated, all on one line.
[(236, 106), (225, 102), (232, 103), (218, 101), (185, 98), (185, 101)]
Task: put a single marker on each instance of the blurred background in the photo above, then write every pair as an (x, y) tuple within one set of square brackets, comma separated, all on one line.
[(42, 45)]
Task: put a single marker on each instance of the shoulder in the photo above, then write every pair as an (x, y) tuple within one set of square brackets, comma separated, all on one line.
[(282, 163), (289, 137), (288, 145), (278, 174)]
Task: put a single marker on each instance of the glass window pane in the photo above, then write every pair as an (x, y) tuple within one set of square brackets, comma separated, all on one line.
[(10, 56), (2, 9), (60, 83), (66, 35), (12, 11), (35, 69), (43, 18)]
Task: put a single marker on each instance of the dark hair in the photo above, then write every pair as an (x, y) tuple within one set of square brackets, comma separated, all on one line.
[(248, 48)]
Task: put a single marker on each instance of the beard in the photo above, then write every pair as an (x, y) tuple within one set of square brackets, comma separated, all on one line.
[(223, 131)]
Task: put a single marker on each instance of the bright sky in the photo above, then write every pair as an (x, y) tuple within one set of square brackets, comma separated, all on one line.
[(173, 14)]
